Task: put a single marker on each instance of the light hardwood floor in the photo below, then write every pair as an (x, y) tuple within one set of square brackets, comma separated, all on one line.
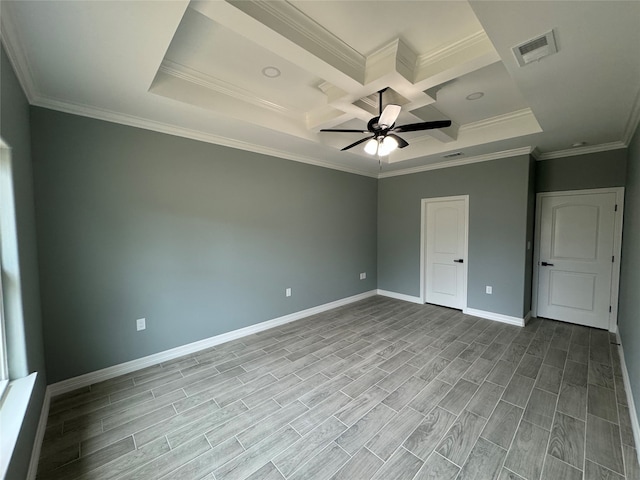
[(380, 389)]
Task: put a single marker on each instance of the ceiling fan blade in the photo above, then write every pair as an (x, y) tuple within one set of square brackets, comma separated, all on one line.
[(355, 144), (416, 127), (343, 130), (401, 142), (389, 115)]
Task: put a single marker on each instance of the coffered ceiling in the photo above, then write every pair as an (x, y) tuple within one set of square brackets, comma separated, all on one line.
[(266, 76)]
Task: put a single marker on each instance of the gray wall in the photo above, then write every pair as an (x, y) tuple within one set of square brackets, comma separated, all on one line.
[(23, 321), (629, 313), (498, 226), (197, 238), (595, 170), (531, 223)]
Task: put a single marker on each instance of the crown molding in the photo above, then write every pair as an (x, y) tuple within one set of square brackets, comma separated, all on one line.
[(633, 122), (572, 152), (498, 119), (190, 75), (287, 15), (17, 56), (459, 162), (133, 121), (435, 56)]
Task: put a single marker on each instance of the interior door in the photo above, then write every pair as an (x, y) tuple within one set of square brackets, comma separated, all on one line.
[(576, 258), (445, 237)]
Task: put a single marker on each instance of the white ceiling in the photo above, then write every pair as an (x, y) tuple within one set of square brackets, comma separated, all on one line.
[(195, 69)]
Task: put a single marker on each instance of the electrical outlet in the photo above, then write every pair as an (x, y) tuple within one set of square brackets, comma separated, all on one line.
[(489, 289), (141, 324), (363, 275), (287, 292)]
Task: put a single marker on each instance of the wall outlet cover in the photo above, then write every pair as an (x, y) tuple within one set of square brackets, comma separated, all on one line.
[(141, 324), (287, 292), (489, 290)]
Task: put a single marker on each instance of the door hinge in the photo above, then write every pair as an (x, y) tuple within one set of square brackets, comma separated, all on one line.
[(609, 308), (613, 259), (616, 209)]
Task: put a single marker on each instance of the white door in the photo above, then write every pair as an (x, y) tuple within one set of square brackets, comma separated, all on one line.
[(445, 244), (576, 258)]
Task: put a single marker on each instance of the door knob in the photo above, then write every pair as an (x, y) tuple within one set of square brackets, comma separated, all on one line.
[(460, 260), (545, 264)]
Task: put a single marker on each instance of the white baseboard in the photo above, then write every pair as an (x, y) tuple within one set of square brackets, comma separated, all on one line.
[(37, 442), (399, 296), (127, 367), (498, 317), (633, 413)]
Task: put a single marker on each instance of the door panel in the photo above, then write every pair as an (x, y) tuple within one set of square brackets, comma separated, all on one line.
[(576, 248), (445, 235)]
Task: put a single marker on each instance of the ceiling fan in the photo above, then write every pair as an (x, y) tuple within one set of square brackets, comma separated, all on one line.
[(384, 140)]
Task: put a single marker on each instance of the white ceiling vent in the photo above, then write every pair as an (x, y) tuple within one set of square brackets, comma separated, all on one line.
[(535, 49)]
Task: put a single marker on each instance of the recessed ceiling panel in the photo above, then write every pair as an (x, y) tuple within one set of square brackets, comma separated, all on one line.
[(220, 54), (499, 95), (367, 26)]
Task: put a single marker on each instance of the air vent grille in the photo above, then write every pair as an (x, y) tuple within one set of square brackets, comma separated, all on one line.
[(535, 49)]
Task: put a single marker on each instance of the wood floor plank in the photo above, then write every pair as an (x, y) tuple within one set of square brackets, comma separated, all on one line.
[(185, 427), (437, 468), (356, 408), (554, 468), (502, 425), (394, 433), (318, 414), (430, 396), (406, 392), (267, 472), (265, 427), (603, 445), (549, 379), (458, 397), (601, 402), (485, 399), (461, 437), (403, 464), (426, 437), (593, 471), (518, 390), (485, 461), (567, 440), (253, 459), (208, 461), (90, 462), (526, 455), (170, 461), (573, 401), (541, 408), (305, 448), (362, 465), (366, 427), (323, 465)]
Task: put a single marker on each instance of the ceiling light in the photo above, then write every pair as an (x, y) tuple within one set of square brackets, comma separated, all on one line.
[(271, 72), (475, 95), (371, 147), (388, 145)]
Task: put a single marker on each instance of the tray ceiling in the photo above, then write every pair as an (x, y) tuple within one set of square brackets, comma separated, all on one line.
[(196, 69)]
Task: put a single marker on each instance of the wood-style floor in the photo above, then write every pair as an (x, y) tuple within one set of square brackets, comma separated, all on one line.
[(379, 389)]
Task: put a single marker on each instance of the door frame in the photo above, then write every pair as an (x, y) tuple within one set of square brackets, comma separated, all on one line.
[(423, 244), (617, 247)]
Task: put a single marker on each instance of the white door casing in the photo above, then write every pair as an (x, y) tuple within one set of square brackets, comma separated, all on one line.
[(444, 257), (577, 256)]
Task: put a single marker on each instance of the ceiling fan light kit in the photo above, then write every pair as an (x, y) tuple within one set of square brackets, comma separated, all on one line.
[(384, 141)]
